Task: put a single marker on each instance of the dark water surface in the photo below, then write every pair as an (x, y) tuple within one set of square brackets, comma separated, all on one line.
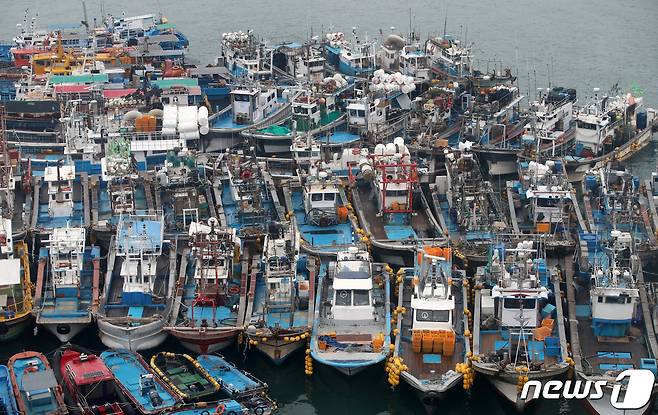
[(572, 43)]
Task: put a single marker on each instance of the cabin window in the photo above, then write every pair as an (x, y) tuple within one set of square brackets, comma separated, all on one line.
[(543, 202), (600, 299), (316, 197), (617, 300), (329, 196), (396, 193), (361, 297), (343, 297), (146, 279), (441, 316), (241, 98), (516, 303), (67, 196)]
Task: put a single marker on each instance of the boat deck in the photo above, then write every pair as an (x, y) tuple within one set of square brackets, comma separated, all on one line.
[(491, 341), (398, 226), (114, 306), (326, 238), (600, 355), (430, 366), (45, 221)]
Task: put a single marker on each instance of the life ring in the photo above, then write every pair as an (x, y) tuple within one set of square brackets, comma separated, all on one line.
[(259, 410), (205, 412), (245, 174), (234, 289), (221, 408)]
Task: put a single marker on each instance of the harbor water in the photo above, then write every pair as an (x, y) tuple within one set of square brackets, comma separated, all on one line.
[(576, 44)]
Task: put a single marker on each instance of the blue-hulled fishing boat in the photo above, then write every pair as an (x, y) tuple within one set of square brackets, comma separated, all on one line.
[(322, 212), (35, 386), (613, 200), (59, 199), (238, 384), (391, 206), (7, 400), (432, 349), (613, 327), (518, 329), (353, 58), (542, 201), (68, 279), (352, 323), (147, 392), (279, 322), (210, 289), (137, 299)]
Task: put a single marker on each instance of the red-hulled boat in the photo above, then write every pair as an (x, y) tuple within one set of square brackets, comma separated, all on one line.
[(90, 387)]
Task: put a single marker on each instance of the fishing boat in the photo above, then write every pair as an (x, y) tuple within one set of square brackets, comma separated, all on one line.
[(68, 279), (553, 124), (244, 55), (184, 375), (7, 400), (184, 192), (353, 58), (89, 386), (467, 206), (390, 204), (607, 128), (613, 329), (431, 348), (59, 199), (15, 285), (351, 331), (321, 208), (279, 323), (450, 59), (137, 301), (253, 106), (146, 391), (542, 201), (613, 199), (297, 62), (35, 387), (518, 323), (211, 291), (238, 384)]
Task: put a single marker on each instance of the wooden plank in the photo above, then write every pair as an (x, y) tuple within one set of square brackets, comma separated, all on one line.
[(180, 288), (95, 290), (311, 264), (560, 318), (646, 314), (576, 352), (512, 211), (579, 214), (652, 204), (588, 212), (41, 268), (476, 320)]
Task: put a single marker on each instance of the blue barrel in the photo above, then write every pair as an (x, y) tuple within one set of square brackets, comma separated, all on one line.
[(590, 182), (641, 120), (579, 148), (558, 166), (636, 182)]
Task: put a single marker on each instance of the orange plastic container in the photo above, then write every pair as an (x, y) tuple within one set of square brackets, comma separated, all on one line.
[(437, 345), (543, 227), (540, 333), (449, 344), (428, 342), (548, 322), (416, 341)]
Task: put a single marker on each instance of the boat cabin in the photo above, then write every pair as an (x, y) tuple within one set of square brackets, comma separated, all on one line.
[(433, 304), (414, 62), (251, 105), (321, 199), (67, 246), (352, 284), (59, 180), (214, 248), (139, 241)]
